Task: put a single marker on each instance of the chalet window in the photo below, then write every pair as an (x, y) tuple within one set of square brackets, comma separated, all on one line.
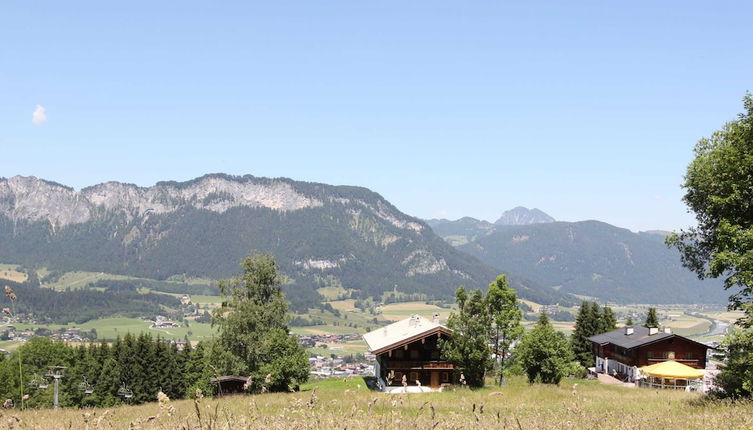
[(413, 376), (650, 354), (445, 377), (414, 354), (689, 356), (398, 377), (668, 355)]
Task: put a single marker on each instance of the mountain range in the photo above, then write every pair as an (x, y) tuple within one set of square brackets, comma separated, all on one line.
[(325, 235), (320, 234), (587, 258)]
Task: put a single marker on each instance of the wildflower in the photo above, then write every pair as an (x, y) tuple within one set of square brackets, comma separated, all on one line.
[(9, 292), (25, 397), (199, 393), (162, 397), (6, 311)]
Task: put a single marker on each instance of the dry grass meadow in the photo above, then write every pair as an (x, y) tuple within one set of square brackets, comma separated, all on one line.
[(347, 404)]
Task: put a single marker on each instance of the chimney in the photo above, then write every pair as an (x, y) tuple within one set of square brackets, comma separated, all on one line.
[(629, 330), (435, 319), (653, 330), (667, 330)]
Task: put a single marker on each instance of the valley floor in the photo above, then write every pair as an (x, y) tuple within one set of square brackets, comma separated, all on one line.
[(339, 403)]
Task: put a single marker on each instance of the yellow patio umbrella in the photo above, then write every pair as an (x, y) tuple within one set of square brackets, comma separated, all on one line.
[(671, 369)]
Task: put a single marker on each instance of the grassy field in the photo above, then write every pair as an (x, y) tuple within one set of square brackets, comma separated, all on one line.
[(110, 328), (338, 403), (75, 280), (9, 272), (8, 345), (398, 311)]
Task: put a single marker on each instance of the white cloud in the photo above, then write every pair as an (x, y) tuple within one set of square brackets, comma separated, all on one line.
[(39, 116)]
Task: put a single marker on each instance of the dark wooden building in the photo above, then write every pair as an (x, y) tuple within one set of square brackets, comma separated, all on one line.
[(230, 384), (624, 350), (409, 349)]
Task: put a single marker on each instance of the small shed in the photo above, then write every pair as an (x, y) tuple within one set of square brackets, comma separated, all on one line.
[(230, 384)]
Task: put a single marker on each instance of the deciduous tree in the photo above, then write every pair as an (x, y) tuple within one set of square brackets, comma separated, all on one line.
[(719, 190), (468, 347), (545, 353), (505, 314), (253, 327)]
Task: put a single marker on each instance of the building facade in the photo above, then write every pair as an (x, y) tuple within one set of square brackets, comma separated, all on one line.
[(623, 351), (408, 351)]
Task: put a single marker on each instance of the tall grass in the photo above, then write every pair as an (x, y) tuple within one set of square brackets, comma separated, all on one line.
[(348, 404)]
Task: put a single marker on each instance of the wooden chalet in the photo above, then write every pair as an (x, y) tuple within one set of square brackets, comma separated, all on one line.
[(409, 348), (623, 351)]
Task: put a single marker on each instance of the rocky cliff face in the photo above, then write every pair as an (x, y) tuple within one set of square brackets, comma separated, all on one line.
[(33, 199), (319, 234), (523, 216)]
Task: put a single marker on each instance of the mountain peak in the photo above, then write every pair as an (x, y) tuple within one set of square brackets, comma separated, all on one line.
[(523, 216)]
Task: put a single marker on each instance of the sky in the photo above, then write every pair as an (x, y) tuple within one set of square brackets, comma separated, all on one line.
[(585, 110)]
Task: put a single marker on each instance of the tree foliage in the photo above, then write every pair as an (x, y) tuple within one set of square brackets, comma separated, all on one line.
[(146, 365), (468, 347), (719, 190), (590, 322), (505, 314), (253, 331), (736, 377), (545, 353), (652, 320)]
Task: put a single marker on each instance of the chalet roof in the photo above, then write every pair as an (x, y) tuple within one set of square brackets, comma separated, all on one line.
[(638, 338), (227, 378), (398, 332)]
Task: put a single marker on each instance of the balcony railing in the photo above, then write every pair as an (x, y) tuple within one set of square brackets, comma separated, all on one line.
[(689, 362), (419, 365)]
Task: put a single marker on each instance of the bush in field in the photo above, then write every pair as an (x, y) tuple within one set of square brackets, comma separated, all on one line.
[(545, 353)]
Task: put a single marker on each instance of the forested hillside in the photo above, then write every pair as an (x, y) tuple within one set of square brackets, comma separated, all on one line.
[(319, 234), (595, 259), (44, 305)]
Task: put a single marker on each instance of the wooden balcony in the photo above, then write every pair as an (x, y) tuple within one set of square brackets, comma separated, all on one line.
[(687, 362), (419, 365)]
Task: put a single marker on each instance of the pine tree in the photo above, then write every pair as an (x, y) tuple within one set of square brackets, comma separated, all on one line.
[(586, 325), (651, 319), (197, 371), (599, 323), (609, 320), (108, 383)]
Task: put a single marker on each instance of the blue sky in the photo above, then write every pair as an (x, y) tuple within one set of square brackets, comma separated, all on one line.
[(586, 111)]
